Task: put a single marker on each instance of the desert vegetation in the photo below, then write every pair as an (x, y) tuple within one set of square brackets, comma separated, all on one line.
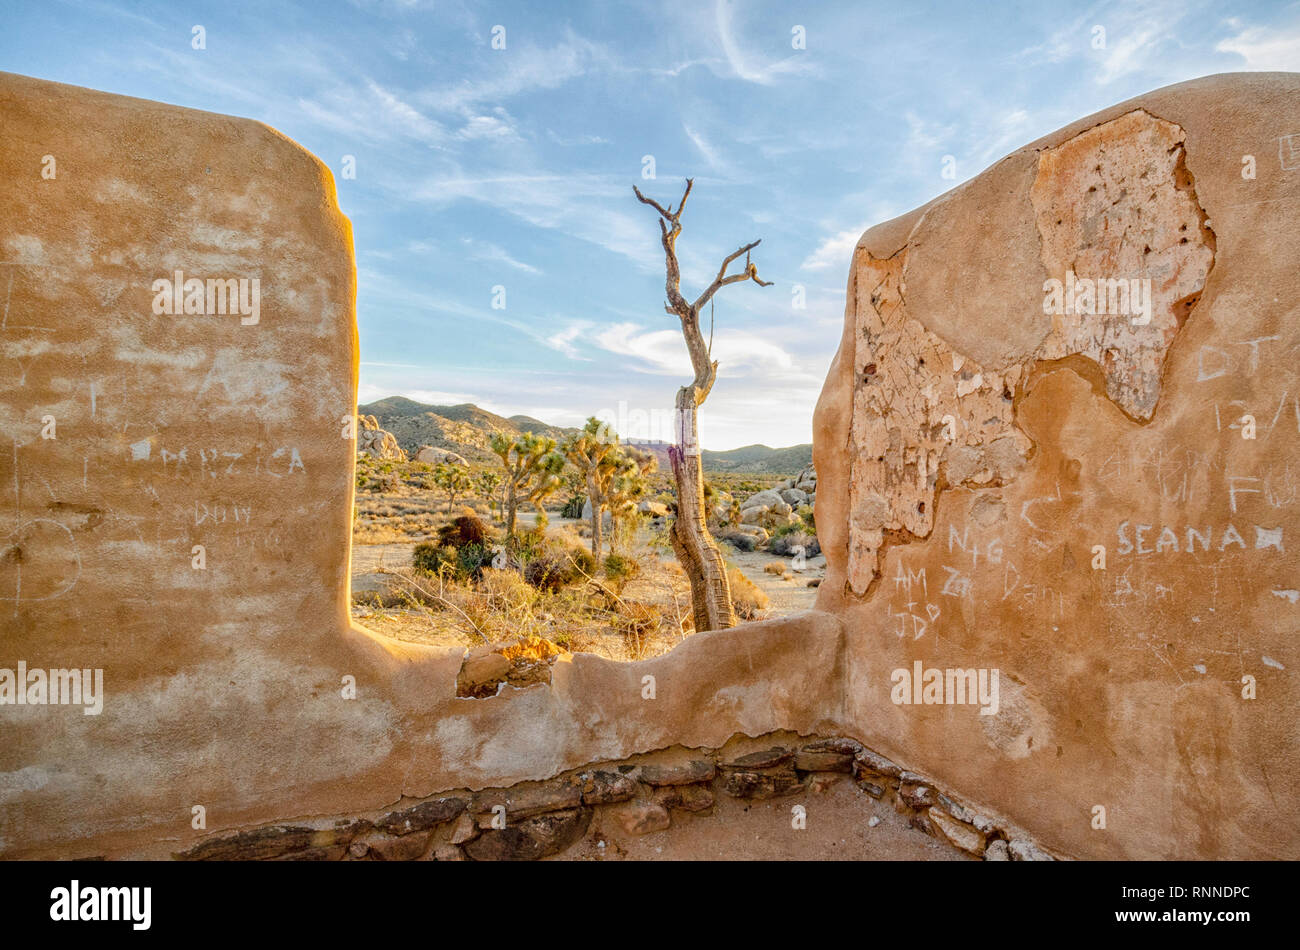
[(565, 541)]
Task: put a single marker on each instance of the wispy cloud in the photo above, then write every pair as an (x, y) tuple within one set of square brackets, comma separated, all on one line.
[(563, 340), (520, 68), (487, 251), (662, 352), (1264, 48), (705, 148), (745, 65), (834, 251), (583, 205)]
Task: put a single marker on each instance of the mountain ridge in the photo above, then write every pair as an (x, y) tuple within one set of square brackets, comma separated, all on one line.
[(465, 429)]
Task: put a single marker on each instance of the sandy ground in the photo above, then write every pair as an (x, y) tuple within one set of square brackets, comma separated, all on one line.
[(368, 558), (788, 596), (837, 828)]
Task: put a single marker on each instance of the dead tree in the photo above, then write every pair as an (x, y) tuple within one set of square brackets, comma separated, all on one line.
[(695, 549)]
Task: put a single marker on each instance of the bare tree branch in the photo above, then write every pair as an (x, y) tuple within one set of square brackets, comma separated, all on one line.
[(723, 279), (654, 204), (688, 313)]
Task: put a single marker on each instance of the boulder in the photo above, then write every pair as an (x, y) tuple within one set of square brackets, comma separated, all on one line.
[(794, 497), (655, 509), (762, 499), (376, 442), (431, 455)]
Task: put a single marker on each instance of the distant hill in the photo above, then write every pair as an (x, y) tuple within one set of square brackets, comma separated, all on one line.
[(760, 459), (466, 429), (749, 460)]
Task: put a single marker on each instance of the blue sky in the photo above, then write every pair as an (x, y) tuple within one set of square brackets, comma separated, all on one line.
[(479, 167)]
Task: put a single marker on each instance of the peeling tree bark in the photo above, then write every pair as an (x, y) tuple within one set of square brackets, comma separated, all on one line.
[(695, 548)]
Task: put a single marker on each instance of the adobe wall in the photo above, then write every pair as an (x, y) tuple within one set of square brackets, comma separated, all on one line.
[(225, 675), (970, 542)]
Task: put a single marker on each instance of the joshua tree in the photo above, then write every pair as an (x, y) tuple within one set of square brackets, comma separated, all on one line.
[(695, 549), (532, 471), (627, 486), (593, 452), (487, 484), (453, 480)]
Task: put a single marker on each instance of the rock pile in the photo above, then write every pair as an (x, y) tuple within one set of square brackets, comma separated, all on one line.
[(537, 819), (377, 442)]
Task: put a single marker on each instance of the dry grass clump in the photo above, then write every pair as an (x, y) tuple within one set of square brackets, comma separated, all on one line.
[(746, 597)]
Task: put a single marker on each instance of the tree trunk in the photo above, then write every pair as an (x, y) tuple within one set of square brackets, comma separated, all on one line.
[(696, 550), (597, 522), (512, 507)]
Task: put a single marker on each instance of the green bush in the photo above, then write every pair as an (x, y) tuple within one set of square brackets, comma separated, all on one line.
[(583, 560), (573, 507), (463, 549), (432, 558), (805, 513), (551, 570), (620, 569)]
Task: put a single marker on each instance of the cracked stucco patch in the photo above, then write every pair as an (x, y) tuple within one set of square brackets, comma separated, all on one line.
[(918, 406), (1115, 201)]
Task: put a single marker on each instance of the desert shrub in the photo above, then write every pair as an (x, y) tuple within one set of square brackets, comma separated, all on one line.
[(573, 507), (463, 563), (462, 550), (431, 557), (785, 528), (661, 539), (557, 566), (747, 599), (583, 560), (378, 481), (774, 567), (506, 591), (741, 541), (786, 543), (774, 521), (465, 529), (805, 513), (619, 569), (525, 546)]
